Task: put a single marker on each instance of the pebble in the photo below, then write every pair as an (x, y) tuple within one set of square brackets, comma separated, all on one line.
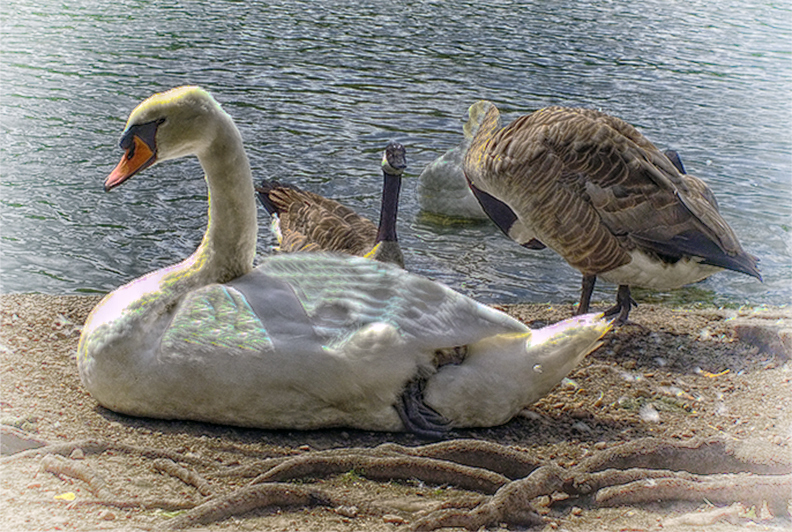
[(347, 511), (394, 519), (77, 454), (649, 413)]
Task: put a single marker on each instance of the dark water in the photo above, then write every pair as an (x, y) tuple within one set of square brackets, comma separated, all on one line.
[(318, 88)]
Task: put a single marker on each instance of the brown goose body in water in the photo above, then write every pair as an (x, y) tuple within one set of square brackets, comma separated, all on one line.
[(596, 191), (305, 221)]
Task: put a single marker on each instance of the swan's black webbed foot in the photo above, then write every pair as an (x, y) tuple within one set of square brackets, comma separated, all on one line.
[(418, 417), (624, 303)]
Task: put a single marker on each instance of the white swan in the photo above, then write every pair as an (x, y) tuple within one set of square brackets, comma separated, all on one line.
[(596, 191), (304, 340), (442, 187)]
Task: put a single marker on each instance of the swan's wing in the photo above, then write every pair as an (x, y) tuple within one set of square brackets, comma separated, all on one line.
[(336, 296)]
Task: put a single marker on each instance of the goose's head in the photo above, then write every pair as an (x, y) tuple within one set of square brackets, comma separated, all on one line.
[(165, 126), (394, 159)]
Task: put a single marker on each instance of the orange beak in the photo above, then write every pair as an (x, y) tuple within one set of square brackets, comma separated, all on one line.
[(137, 157)]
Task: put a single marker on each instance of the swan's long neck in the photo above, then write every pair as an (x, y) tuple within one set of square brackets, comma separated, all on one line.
[(390, 207), (229, 244), (483, 124)]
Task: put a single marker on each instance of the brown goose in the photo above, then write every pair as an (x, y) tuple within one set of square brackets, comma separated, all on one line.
[(304, 221), (596, 191)]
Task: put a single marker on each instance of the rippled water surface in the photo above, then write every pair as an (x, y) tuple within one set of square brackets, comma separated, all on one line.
[(318, 88)]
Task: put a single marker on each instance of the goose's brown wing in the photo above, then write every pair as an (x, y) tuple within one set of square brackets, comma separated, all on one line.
[(310, 222)]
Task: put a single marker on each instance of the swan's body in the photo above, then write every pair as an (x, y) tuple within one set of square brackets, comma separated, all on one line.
[(304, 340), (304, 221), (442, 188), (593, 189)]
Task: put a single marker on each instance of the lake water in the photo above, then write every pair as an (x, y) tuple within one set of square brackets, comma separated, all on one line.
[(319, 87)]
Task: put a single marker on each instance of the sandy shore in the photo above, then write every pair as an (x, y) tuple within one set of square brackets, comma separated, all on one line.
[(687, 374)]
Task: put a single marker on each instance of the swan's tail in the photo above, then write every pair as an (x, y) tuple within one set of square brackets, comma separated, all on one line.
[(503, 374)]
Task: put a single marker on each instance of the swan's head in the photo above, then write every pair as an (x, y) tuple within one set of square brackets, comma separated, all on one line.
[(165, 126), (394, 159), (476, 114)]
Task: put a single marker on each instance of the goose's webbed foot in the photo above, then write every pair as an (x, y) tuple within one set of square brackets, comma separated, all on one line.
[(418, 417), (624, 303)]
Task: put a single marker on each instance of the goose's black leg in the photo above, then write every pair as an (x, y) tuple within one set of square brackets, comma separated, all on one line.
[(624, 303), (585, 293), (418, 417)]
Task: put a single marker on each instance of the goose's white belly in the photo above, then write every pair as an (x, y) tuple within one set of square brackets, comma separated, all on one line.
[(646, 272)]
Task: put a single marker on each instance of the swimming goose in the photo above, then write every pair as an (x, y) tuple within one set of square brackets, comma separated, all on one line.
[(304, 221), (304, 340), (442, 188), (596, 191)]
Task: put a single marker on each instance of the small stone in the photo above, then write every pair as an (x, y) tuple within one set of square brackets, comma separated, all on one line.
[(576, 511), (77, 454), (107, 515), (393, 519), (649, 413), (346, 511)]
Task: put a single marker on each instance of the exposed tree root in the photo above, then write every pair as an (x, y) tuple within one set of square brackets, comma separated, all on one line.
[(507, 461), (249, 498), (81, 471), (614, 487), (511, 504), (718, 489), (62, 449), (387, 468), (98, 446), (185, 475), (142, 504), (263, 466), (699, 456), (629, 474)]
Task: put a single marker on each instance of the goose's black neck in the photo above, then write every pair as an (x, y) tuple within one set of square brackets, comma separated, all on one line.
[(389, 209)]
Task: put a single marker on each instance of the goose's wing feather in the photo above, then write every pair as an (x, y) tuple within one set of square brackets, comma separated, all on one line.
[(335, 296), (310, 222), (601, 185)]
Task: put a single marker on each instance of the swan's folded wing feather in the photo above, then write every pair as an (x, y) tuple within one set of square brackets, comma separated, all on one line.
[(212, 318), (339, 295)]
